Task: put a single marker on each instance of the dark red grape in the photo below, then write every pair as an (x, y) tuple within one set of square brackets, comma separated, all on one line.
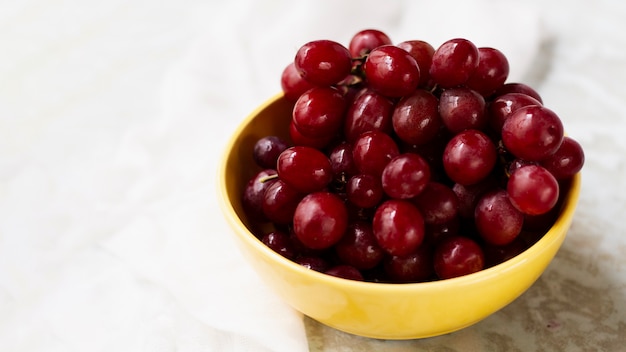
[(341, 161), (462, 109), (504, 105), (398, 226), (369, 111), (515, 87), (304, 168), (281, 243), (567, 161), (438, 203), (533, 190), (491, 73), (314, 263), (372, 151), (292, 83), (266, 151), (358, 246), (457, 256), (280, 201), (366, 40), (345, 272), (416, 118), (320, 219), (254, 194), (319, 112), (364, 191), (532, 133), (405, 176), (454, 62), (498, 222), (391, 71), (323, 62), (469, 157), (422, 52), (299, 139), (414, 267)]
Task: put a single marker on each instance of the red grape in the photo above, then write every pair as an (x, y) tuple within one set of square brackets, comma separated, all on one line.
[(391, 71), (498, 222), (438, 203), (454, 62), (532, 132), (416, 118), (566, 161), (422, 52), (405, 176), (504, 105), (457, 256), (320, 219), (364, 191), (323, 62), (304, 168), (533, 190), (319, 112), (366, 40), (254, 194), (372, 151), (369, 111), (469, 157), (398, 226), (266, 151), (491, 73), (462, 109), (358, 246), (292, 83)]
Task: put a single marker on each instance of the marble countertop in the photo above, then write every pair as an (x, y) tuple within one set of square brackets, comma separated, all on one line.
[(110, 116)]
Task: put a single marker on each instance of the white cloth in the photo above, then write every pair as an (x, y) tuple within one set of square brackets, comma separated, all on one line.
[(115, 242)]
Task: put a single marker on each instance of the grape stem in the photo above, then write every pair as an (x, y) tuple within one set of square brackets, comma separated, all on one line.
[(268, 178)]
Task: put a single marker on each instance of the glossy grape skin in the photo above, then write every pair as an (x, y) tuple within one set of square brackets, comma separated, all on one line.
[(364, 41), (422, 52), (498, 222), (323, 62), (305, 169), (516, 87), (266, 151), (469, 157), (313, 263), (319, 112), (462, 109), (254, 194), (468, 195), (292, 83), (347, 272), (414, 267), (438, 203), (504, 105), (372, 151), (405, 176), (567, 161), (533, 190), (415, 118), (320, 220), (532, 133), (491, 72), (391, 71), (358, 246), (280, 243), (454, 62), (398, 226), (298, 139), (458, 256), (341, 161), (369, 111), (364, 191), (280, 201)]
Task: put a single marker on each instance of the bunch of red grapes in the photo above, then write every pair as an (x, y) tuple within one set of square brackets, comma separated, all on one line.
[(407, 163)]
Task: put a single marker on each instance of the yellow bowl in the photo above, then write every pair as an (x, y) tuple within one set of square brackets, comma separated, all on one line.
[(377, 310)]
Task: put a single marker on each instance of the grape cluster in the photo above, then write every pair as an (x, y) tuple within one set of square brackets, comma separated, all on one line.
[(407, 163)]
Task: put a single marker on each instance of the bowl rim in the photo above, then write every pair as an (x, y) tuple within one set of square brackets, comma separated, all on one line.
[(566, 214)]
